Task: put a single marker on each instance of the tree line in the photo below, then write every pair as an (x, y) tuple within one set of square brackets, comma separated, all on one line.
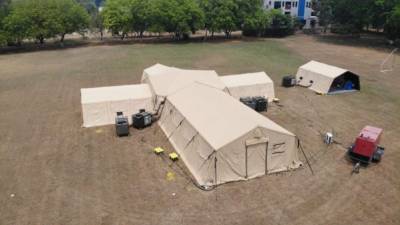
[(355, 16), (182, 17), (39, 20)]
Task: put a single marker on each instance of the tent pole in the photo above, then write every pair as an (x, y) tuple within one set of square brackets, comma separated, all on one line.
[(266, 159), (215, 177), (246, 162), (215, 170), (305, 156)]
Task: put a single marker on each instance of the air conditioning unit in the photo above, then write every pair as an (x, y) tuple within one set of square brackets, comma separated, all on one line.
[(258, 103), (142, 119), (261, 104), (121, 125), (288, 81), (249, 102)]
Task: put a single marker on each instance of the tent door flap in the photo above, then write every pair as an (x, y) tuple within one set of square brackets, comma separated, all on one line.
[(256, 157)]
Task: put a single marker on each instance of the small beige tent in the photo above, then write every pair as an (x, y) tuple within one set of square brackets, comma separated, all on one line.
[(221, 140), (100, 105), (249, 85), (165, 80), (327, 79)]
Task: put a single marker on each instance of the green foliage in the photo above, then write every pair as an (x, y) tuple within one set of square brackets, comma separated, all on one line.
[(41, 19), (281, 24), (4, 11), (248, 8), (324, 9), (221, 15), (71, 18), (257, 24), (176, 16), (392, 27), (352, 16), (140, 11), (89, 5), (117, 16), (226, 16)]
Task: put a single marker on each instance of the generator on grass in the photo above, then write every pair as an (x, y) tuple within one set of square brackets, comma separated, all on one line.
[(142, 119), (121, 125), (366, 148)]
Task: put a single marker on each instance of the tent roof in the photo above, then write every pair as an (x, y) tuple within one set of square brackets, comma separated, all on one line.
[(323, 69), (246, 79), (167, 80), (115, 93), (219, 118)]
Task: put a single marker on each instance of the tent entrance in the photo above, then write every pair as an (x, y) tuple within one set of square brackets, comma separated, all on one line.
[(256, 157), (347, 82)]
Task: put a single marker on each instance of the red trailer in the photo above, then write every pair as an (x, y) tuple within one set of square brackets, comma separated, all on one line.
[(366, 147)]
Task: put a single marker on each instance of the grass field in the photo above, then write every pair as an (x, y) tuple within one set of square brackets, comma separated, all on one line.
[(52, 171)]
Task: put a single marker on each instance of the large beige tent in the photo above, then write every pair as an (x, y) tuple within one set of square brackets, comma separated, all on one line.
[(326, 79), (250, 84), (221, 140), (100, 105), (165, 80)]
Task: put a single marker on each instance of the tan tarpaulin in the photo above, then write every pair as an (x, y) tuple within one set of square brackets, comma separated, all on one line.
[(165, 80), (100, 105), (250, 85), (221, 140), (319, 76)]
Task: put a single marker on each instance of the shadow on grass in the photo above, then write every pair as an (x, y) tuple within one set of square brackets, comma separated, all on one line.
[(367, 40), (69, 44)]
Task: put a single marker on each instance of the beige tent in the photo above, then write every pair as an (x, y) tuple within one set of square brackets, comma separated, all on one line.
[(326, 79), (100, 105), (221, 140), (249, 85), (165, 80)]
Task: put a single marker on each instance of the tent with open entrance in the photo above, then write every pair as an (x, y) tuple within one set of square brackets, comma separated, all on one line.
[(100, 105), (165, 80), (249, 85), (221, 140), (327, 79)]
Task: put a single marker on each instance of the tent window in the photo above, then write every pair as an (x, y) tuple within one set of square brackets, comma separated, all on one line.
[(278, 148)]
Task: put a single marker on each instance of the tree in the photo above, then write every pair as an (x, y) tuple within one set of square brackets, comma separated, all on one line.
[(208, 7), (41, 19), (96, 23), (140, 11), (392, 26), (4, 10), (280, 24), (351, 15), (176, 16), (31, 19), (117, 16), (71, 18), (89, 5), (247, 9), (256, 24), (226, 16), (220, 15), (324, 10)]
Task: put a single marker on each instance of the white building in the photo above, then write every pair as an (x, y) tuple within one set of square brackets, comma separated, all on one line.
[(297, 8)]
